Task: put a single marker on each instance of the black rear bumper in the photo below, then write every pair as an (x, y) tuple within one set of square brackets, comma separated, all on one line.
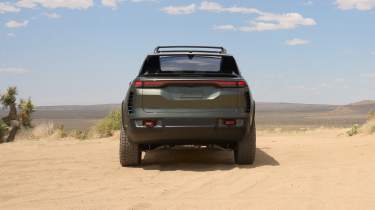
[(185, 135)]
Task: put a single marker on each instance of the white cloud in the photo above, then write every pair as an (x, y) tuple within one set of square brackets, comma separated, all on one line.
[(264, 21), (52, 15), (13, 70), (26, 4), (227, 27), (53, 4), (111, 3), (272, 22), (7, 7), (11, 34), (210, 6), (16, 24), (293, 42), (355, 4), (180, 10)]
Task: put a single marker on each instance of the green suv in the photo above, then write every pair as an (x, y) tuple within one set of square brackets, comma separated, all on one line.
[(188, 95)]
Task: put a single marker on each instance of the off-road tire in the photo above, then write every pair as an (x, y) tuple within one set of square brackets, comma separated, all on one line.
[(244, 150), (130, 153)]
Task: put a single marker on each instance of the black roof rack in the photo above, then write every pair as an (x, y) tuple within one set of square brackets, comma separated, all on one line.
[(190, 49)]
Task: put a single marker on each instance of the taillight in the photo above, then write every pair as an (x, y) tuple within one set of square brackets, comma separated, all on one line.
[(149, 123), (242, 84), (138, 84), (229, 122), (163, 83)]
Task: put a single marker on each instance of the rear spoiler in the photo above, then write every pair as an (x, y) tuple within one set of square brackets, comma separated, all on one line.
[(190, 49)]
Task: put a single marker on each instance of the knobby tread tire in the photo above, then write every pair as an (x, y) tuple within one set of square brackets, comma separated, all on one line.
[(130, 153), (244, 151)]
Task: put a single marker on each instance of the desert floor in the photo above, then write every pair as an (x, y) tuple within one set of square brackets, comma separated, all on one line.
[(313, 170)]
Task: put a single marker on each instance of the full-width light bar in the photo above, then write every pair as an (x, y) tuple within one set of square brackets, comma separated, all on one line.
[(163, 83)]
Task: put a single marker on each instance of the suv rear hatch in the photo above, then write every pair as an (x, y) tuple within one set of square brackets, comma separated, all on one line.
[(190, 95), (189, 82)]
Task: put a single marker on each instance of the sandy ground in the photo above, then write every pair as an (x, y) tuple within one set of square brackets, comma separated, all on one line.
[(318, 170)]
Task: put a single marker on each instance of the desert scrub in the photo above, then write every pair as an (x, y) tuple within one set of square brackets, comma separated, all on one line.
[(111, 123), (353, 131), (371, 116), (43, 130), (60, 132), (26, 108), (369, 126), (78, 134), (3, 130), (14, 120)]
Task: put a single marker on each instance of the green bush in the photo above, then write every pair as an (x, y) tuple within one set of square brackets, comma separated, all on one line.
[(26, 109), (353, 131), (110, 123), (3, 130)]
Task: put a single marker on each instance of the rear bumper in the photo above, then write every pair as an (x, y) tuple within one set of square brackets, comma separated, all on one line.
[(186, 128), (185, 135)]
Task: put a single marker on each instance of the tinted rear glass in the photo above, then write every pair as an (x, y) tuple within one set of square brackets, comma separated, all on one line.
[(190, 63), (174, 65)]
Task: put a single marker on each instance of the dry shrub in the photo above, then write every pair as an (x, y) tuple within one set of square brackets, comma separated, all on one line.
[(354, 130), (369, 127), (78, 134), (371, 116), (43, 130), (107, 126), (3, 130), (51, 131)]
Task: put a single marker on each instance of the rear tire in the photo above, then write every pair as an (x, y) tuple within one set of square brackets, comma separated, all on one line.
[(130, 153), (244, 151)]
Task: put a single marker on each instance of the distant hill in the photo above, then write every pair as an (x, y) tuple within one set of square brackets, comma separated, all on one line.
[(362, 107), (269, 115), (365, 102), (293, 107)]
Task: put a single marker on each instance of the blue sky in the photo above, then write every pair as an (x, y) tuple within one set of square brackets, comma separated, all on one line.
[(86, 51)]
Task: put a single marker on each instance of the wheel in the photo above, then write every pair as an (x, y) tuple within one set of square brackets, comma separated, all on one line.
[(130, 153), (244, 151)]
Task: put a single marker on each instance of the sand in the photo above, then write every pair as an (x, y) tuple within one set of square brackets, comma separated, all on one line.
[(317, 170)]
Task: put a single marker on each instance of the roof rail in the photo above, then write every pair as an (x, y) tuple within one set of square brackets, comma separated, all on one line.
[(190, 49)]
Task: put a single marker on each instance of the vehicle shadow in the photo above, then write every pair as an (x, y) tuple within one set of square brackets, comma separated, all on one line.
[(190, 159)]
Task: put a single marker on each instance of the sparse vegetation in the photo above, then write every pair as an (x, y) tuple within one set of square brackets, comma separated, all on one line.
[(109, 124), (78, 134), (8, 100), (353, 131), (26, 109), (60, 132), (367, 128), (371, 116), (12, 122), (104, 128), (3, 129)]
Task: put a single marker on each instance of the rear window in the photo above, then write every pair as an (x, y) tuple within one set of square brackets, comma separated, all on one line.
[(207, 65), (190, 63)]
